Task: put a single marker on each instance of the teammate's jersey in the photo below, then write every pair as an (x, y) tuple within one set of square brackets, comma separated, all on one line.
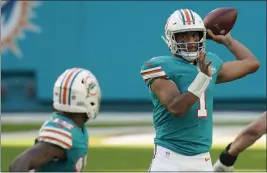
[(63, 132), (191, 133)]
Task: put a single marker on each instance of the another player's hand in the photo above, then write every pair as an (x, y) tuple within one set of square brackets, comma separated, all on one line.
[(221, 39), (203, 65)]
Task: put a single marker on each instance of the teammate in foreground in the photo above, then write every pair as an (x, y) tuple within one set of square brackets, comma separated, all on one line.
[(182, 88), (245, 139), (62, 142)]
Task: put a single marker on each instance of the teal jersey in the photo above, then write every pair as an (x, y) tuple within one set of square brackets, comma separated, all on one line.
[(64, 133), (190, 134)]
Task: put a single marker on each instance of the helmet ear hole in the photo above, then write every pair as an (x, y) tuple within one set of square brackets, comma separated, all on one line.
[(92, 103)]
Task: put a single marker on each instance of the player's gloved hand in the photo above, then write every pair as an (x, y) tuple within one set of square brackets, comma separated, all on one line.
[(221, 39), (219, 167), (203, 65)]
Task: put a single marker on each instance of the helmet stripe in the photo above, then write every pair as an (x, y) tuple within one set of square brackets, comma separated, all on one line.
[(60, 92), (183, 17), (71, 83), (192, 16), (65, 86), (188, 20)]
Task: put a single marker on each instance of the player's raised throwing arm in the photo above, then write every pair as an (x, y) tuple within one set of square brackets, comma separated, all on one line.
[(36, 156), (168, 93), (244, 64)]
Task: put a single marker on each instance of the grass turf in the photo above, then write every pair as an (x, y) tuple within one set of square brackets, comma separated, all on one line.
[(10, 127), (138, 159)]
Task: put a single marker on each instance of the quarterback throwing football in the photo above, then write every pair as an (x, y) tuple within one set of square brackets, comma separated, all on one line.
[(182, 87)]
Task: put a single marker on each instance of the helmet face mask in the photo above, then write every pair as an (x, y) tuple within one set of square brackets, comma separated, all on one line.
[(177, 25), (77, 91)]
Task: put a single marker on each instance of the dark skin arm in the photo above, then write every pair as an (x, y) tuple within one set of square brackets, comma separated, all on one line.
[(169, 95), (36, 156), (245, 63)]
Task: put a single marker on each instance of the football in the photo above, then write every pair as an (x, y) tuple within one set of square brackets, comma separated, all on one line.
[(220, 21)]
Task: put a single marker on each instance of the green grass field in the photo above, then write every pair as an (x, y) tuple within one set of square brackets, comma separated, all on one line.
[(139, 158), (103, 157), (10, 127)]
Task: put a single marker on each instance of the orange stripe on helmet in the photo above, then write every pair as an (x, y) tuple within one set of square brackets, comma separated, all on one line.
[(65, 86), (187, 15)]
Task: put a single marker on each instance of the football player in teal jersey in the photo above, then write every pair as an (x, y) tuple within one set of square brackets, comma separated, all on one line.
[(182, 87), (244, 140), (62, 142)]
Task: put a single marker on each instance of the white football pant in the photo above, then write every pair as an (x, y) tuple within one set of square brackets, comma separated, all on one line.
[(167, 160)]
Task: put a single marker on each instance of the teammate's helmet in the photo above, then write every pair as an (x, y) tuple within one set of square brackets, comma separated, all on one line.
[(184, 20), (77, 91)]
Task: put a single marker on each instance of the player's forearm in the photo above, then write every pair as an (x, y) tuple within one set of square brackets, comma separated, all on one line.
[(179, 105), (182, 103), (248, 136), (242, 142), (242, 53)]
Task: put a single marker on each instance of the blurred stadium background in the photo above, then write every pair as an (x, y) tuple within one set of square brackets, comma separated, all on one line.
[(39, 40)]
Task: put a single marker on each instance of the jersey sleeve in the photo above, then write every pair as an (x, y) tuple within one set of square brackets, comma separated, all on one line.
[(54, 133), (216, 61), (152, 70)]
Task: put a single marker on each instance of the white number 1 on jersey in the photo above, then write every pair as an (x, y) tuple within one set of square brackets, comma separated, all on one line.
[(202, 111)]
